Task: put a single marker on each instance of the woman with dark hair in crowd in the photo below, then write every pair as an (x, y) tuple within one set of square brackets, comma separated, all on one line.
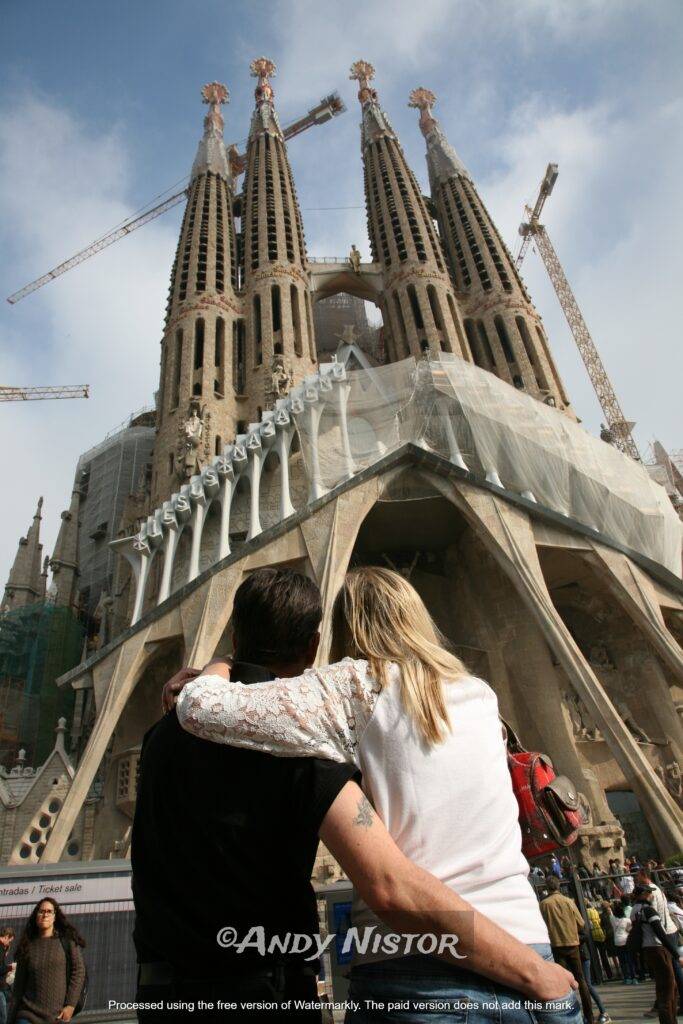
[(50, 968)]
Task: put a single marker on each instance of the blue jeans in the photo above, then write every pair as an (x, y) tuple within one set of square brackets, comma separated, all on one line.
[(595, 995), (452, 996), (4, 1001)]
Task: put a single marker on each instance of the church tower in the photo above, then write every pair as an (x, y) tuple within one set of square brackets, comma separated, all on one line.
[(277, 297), (197, 406), (25, 584), (504, 331), (419, 296)]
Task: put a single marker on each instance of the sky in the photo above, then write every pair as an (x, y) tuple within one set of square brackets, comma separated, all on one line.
[(100, 112)]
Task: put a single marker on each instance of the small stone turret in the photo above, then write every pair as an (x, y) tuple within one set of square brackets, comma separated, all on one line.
[(64, 561), (504, 331), (418, 294), (25, 584)]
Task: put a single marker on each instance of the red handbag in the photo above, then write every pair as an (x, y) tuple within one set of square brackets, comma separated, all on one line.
[(549, 811)]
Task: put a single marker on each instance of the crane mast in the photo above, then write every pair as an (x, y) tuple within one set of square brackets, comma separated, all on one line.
[(619, 428)]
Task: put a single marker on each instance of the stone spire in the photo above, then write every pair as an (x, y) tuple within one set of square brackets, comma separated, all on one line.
[(211, 153), (504, 331), (24, 584), (203, 318), (64, 561), (276, 280), (419, 303)]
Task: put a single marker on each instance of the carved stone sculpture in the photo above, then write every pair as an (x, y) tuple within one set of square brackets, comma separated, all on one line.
[(281, 377), (582, 724), (354, 260), (629, 721), (192, 452)]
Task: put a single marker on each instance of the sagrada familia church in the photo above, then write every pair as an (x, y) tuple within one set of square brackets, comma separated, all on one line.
[(550, 560)]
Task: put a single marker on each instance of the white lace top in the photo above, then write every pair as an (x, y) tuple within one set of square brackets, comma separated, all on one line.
[(450, 807)]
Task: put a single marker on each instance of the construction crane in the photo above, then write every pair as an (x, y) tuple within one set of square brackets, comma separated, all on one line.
[(618, 429), (329, 107), (37, 394)]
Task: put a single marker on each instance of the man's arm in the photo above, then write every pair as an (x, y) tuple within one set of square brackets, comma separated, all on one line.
[(410, 901)]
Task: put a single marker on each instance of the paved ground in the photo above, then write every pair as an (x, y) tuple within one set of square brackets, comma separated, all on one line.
[(628, 1002)]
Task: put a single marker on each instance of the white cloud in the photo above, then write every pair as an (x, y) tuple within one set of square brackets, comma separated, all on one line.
[(615, 219), (62, 185)]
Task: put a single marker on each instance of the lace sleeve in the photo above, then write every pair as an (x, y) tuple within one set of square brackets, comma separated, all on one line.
[(322, 713)]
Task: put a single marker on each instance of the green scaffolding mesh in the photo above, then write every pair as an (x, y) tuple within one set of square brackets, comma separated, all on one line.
[(38, 643)]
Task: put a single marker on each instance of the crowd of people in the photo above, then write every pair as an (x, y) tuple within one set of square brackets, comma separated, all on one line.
[(635, 924), (44, 980)]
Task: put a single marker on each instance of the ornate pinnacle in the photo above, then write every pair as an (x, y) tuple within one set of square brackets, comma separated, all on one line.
[(363, 72), (423, 99), (215, 94), (263, 69)]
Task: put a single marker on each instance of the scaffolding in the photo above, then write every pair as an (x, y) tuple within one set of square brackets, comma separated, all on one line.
[(38, 643)]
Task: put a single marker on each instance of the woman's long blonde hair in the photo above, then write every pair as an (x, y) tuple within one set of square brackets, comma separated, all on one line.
[(379, 617)]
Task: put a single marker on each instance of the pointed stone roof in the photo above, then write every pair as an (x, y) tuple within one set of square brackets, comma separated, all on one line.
[(442, 160), (264, 120), (24, 584), (64, 561), (375, 122), (212, 157)]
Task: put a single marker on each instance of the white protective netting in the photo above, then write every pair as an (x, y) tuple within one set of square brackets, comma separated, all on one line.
[(449, 405)]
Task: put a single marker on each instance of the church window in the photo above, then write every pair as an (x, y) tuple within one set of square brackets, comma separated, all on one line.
[(486, 344), (171, 463), (219, 352), (454, 317), (461, 273), (276, 307), (402, 323), (238, 357), (177, 366), (258, 332), (197, 390), (435, 307), (219, 444), (296, 319), (415, 306), (309, 325), (532, 355), (471, 332), (198, 344), (504, 338)]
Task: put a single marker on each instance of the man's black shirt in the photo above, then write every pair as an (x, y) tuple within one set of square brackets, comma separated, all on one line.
[(224, 837)]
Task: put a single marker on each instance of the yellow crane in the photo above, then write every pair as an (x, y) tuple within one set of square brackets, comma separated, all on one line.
[(37, 394), (618, 428), (329, 107)]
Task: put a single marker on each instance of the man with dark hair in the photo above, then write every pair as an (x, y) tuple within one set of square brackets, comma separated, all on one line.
[(565, 928), (225, 839)]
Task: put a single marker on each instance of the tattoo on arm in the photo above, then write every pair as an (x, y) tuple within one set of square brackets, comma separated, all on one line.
[(364, 815)]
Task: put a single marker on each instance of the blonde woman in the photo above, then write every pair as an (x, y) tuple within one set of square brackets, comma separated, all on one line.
[(427, 738)]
